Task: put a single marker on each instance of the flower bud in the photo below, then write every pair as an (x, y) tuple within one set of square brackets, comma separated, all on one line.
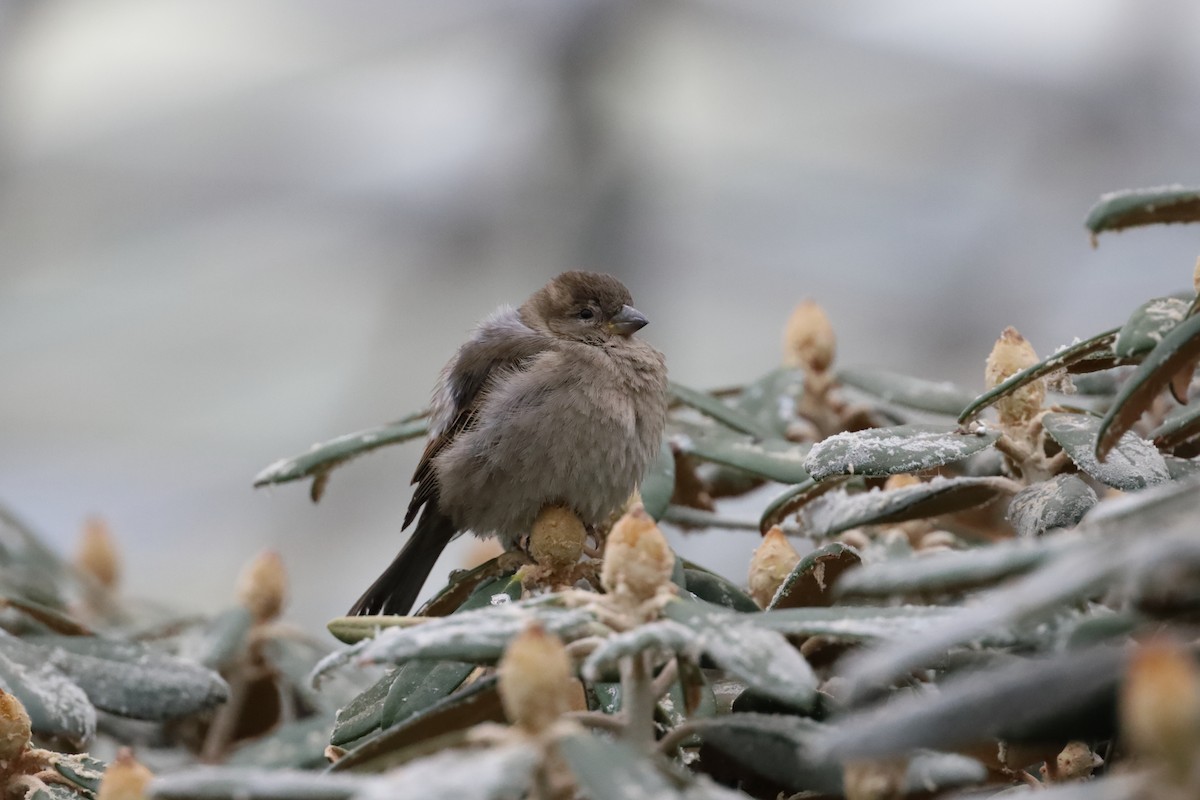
[(15, 728), (262, 586), (901, 480), (1160, 706), (1011, 354), (808, 338), (556, 541), (97, 555), (125, 779), (535, 680), (637, 559), (771, 563)]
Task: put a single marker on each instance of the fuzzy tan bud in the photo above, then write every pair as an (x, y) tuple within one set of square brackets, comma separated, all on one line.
[(15, 728), (808, 338), (556, 541), (536, 681), (1011, 354), (901, 480), (1196, 277), (879, 779), (637, 559), (262, 586), (1160, 706), (125, 779), (97, 554), (771, 563), (1075, 762)]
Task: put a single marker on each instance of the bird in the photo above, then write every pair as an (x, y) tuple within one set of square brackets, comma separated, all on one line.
[(551, 403)]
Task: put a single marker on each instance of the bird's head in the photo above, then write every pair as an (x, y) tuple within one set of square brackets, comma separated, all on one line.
[(588, 307)]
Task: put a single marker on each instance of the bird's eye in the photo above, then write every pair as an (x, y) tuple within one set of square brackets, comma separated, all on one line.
[(585, 313)]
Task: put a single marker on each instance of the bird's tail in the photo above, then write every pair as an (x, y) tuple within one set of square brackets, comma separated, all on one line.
[(394, 591)]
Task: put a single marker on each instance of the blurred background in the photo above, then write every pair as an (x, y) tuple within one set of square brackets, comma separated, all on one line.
[(229, 230)]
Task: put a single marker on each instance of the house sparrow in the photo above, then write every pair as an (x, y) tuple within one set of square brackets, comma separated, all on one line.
[(554, 403)]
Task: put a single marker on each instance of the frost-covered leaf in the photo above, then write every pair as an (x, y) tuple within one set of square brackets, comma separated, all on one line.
[(321, 459), (771, 459), (769, 747), (496, 773), (1072, 358), (57, 707), (887, 451), (57, 791), (442, 725), (1119, 537), (1132, 464), (838, 511), (715, 589), (1132, 207), (949, 571), (253, 783), (295, 745), (721, 411), (1180, 426), (607, 770), (1182, 468), (1148, 325), (693, 518), (796, 498), (852, 623), (810, 581), (1065, 697), (761, 658), (904, 390), (659, 483), (130, 679), (1177, 354), (1057, 503), (478, 636)]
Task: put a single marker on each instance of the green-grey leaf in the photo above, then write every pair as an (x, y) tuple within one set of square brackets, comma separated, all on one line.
[(324, 457), (1147, 326), (795, 498), (1182, 468), (1180, 426), (810, 581), (295, 745), (607, 770), (1133, 207), (659, 483), (720, 411), (1179, 350), (131, 680), (715, 589), (1133, 464), (838, 511), (772, 459), (80, 769), (1057, 503), (774, 747), (1065, 697), (761, 658), (223, 639), (772, 399), (503, 772), (1098, 345), (688, 517), (904, 390), (57, 707), (443, 724), (888, 451), (419, 685), (363, 714)]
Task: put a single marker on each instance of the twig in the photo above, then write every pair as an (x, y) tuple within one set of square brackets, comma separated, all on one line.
[(662, 683)]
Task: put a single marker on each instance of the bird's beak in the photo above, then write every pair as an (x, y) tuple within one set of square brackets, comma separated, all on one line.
[(627, 321)]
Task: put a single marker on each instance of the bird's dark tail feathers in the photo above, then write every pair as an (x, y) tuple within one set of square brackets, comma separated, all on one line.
[(394, 591)]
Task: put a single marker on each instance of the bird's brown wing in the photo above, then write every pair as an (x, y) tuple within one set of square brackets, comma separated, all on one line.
[(487, 354)]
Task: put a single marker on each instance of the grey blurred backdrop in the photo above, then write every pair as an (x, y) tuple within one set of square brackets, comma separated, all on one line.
[(231, 229)]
